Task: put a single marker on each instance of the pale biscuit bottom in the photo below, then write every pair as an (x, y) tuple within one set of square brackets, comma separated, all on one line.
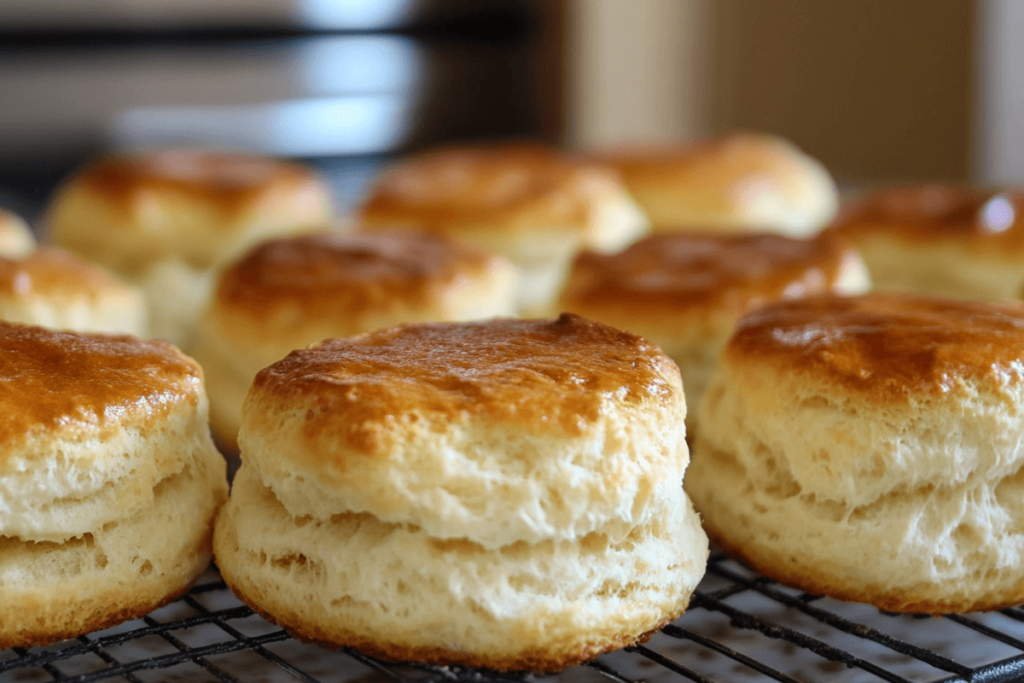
[(935, 549), (176, 294), (226, 386), (120, 315), (393, 591), (941, 269), (51, 591)]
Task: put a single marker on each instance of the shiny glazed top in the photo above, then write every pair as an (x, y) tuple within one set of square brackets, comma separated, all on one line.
[(351, 273), (542, 376), (737, 157), (226, 180), (932, 212), (80, 386), (472, 186), (52, 272), (886, 346), (683, 271)]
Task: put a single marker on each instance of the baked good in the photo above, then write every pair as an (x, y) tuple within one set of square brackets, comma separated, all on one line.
[(55, 289), (288, 293), (742, 181), (685, 291), (503, 494), (945, 240), (15, 237), (868, 448), (108, 481), (165, 221), (533, 205)]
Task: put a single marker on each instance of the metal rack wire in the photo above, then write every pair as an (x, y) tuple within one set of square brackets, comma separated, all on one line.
[(740, 627)]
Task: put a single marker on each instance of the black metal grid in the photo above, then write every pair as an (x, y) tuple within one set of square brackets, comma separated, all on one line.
[(740, 627)]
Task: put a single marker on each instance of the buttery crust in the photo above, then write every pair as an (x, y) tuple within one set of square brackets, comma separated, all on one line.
[(885, 346), (544, 376), (15, 237), (687, 274), (740, 181), (867, 448), (87, 384), (521, 189), (977, 218), (348, 276)]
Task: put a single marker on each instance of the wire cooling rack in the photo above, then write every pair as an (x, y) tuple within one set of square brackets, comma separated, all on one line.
[(740, 627)]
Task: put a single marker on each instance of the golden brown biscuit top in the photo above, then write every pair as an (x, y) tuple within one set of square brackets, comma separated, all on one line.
[(449, 188), (684, 271), (52, 272), (887, 346), (927, 212), (84, 385), (221, 178), (739, 154), (350, 273), (537, 375)]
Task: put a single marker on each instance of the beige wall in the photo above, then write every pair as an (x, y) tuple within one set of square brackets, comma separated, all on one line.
[(880, 90), (999, 111), (633, 71)]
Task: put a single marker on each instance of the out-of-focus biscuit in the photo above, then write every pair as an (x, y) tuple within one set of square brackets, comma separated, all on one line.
[(944, 240), (166, 221), (55, 289), (742, 181), (534, 206)]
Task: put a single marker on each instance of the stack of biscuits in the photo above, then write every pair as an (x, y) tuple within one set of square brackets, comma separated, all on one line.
[(463, 420)]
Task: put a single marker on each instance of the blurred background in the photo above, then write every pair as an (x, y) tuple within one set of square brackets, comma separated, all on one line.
[(880, 91)]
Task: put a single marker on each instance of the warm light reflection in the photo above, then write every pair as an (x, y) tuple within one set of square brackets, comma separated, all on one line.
[(998, 214)]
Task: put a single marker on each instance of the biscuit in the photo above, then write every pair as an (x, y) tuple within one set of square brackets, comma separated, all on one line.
[(55, 289), (867, 448), (533, 205), (685, 291), (943, 240), (166, 221), (503, 494), (108, 481), (289, 293), (742, 181)]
